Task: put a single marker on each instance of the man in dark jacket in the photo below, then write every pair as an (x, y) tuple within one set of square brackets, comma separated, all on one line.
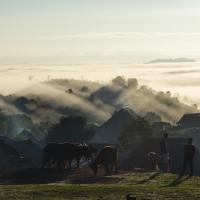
[(189, 152)]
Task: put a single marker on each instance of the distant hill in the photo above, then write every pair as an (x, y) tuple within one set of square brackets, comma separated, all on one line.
[(170, 60), (30, 150), (189, 120), (8, 155), (109, 131)]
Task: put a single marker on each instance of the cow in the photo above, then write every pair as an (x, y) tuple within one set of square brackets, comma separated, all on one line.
[(107, 157), (61, 153)]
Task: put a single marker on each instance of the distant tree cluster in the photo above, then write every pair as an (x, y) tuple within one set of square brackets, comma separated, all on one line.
[(122, 82), (84, 89), (152, 117), (71, 129)]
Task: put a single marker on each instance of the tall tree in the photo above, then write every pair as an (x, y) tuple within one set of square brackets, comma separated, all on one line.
[(137, 129), (72, 129)]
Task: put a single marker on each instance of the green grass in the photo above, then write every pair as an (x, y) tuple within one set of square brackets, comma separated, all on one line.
[(143, 185)]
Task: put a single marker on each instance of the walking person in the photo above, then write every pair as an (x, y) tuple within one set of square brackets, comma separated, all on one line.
[(189, 153), (164, 153)]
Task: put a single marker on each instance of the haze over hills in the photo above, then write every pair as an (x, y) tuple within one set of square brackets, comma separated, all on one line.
[(35, 109), (97, 102), (171, 60)]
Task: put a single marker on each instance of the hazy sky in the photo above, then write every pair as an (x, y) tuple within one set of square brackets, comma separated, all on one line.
[(98, 40), (60, 31)]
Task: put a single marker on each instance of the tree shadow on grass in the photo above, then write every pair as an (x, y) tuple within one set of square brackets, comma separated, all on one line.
[(33, 176), (100, 180), (178, 180), (53, 175), (152, 177)]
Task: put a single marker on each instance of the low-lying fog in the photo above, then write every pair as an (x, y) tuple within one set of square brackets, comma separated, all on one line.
[(182, 79)]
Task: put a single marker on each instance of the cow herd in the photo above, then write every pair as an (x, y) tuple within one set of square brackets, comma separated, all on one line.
[(63, 154)]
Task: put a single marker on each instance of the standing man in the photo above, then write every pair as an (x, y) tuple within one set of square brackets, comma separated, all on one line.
[(189, 153), (164, 153)]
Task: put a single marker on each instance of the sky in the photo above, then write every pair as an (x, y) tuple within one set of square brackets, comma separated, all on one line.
[(66, 31), (98, 40)]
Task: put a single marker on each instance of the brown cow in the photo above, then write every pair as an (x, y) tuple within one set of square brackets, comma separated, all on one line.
[(65, 152), (107, 157)]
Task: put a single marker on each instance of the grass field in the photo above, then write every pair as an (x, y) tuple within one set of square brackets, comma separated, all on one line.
[(143, 185)]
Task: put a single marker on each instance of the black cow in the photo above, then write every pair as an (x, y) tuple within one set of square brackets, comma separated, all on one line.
[(106, 157), (65, 152)]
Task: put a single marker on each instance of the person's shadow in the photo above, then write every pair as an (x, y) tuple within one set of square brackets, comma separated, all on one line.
[(178, 181)]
